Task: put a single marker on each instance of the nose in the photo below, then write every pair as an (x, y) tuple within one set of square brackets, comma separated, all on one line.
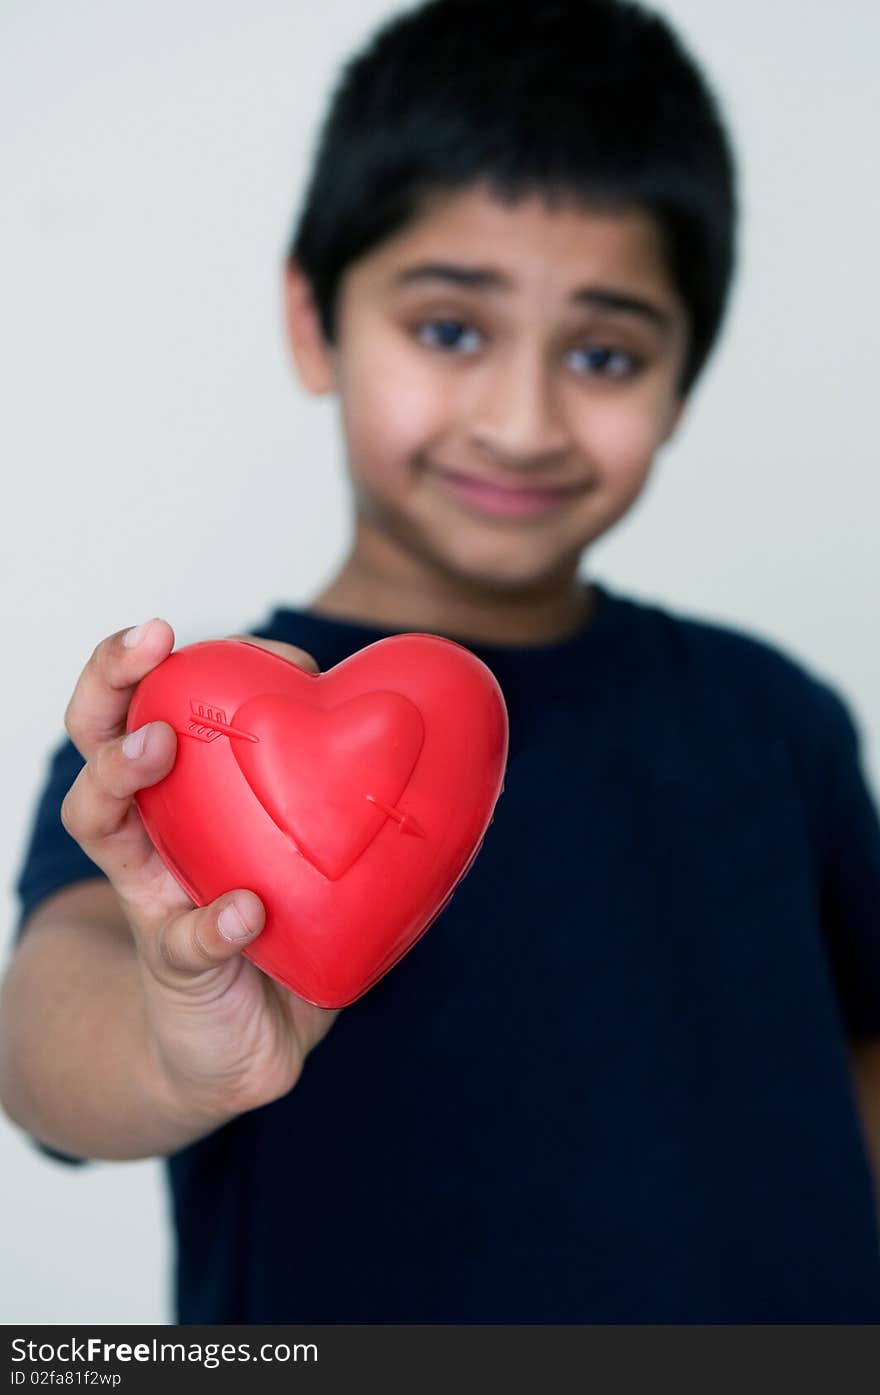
[(517, 419)]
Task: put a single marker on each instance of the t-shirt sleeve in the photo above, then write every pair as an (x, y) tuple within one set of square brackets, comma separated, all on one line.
[(849, 870), (52, 858)]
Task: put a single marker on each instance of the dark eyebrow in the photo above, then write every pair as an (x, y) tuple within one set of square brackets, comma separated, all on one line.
[(478, 278)]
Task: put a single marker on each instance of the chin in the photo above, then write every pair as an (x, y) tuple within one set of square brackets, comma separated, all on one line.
[(509, 573)]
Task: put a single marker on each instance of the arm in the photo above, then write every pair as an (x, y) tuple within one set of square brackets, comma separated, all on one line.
[(77, 1065), (845, 816), (865, 1062)]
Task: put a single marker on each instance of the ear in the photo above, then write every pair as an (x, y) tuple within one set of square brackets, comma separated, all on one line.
[(311, 353)]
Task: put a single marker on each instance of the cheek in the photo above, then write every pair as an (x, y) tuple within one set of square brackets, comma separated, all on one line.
[(622, 444), (391, 415)]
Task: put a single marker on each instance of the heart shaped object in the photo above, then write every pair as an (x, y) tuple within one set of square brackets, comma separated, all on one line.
[(352, 802)]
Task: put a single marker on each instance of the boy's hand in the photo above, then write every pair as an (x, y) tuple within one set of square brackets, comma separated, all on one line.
[(225, 1037)]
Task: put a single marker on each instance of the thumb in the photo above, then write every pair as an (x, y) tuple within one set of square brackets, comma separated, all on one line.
[(240, 919), (207, 936)]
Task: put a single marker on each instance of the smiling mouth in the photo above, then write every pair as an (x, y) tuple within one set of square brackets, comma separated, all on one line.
[(511, 501)]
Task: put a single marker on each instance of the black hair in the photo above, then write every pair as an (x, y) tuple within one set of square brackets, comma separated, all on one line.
[(592, 100)]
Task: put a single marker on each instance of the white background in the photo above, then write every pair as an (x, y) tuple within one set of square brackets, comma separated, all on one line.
[(158, 458)]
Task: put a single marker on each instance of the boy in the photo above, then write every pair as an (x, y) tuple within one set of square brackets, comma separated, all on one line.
[(611, 1084)]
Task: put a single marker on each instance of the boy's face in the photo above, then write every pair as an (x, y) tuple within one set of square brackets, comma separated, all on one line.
[(505, 376)]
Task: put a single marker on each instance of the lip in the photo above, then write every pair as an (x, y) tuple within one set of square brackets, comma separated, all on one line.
[(505, 501)]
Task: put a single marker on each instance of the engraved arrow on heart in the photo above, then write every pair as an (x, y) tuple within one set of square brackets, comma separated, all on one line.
[(208, 722)]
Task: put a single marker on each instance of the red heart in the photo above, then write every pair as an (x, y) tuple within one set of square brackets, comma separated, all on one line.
[(352, 802), (325, 775)]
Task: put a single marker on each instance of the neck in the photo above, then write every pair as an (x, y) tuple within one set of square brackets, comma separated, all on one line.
[(380, 583)]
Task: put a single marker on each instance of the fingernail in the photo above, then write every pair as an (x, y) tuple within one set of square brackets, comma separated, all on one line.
[(133, 745), (135, 634), (231, 925)]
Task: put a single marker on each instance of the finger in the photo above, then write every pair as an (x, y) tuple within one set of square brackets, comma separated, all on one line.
[(99, 810), (97, 710), (196, 940), (286, 651)]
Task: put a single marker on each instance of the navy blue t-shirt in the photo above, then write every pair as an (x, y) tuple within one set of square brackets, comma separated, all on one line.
[(610, 1084)]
